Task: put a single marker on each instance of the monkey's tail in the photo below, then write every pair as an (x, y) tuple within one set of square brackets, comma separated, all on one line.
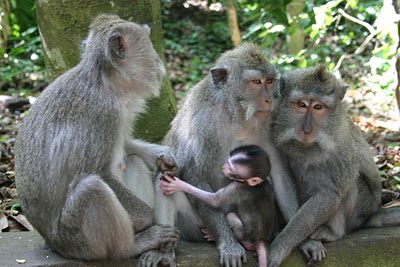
[(384, 217), (261, 249)]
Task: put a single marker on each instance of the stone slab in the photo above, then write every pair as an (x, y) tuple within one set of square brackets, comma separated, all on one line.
[(367, 247)]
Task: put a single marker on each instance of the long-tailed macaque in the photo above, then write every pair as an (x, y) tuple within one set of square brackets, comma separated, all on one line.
[(230, 107), (337, 180), (75, 140), (248, 200)]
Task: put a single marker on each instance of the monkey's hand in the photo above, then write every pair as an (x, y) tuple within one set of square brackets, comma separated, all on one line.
[(155, 257), (171, 185), (231, 254), (166, 163), (313, 250)]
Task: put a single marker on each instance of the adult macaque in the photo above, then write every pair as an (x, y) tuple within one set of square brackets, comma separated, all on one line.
[(248, 200), (230, 107), (337, 180), (71, 147)]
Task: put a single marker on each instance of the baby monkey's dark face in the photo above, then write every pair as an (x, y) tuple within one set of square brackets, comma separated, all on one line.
[(234, 171)]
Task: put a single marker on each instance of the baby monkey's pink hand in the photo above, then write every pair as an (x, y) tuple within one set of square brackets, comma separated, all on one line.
[(170, 184)]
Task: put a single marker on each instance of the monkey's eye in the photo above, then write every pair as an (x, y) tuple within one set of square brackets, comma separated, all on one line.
[(269, 81), (318, 106), (258, 81), (302, 104)]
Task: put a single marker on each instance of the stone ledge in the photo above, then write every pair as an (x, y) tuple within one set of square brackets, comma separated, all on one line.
[(368, 247)]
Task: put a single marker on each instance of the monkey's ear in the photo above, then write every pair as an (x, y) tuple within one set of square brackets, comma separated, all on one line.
[(147, 28), (219, 75), (322, 72), (341, 91), (117, 45), (254, 181)]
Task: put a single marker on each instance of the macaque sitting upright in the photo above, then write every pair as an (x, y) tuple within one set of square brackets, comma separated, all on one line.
[(248, 199)]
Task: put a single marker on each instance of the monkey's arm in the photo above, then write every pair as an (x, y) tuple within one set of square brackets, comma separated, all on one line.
[(370, 173), (216, 200), (283, 183), (149, 152), (317, 210)]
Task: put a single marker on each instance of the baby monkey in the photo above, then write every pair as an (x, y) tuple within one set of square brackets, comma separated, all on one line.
[(248, 200)]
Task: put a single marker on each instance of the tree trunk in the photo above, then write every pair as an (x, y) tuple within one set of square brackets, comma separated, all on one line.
[(233, 23), (4, 24), (396, 4), (295, 39), (63, 26)]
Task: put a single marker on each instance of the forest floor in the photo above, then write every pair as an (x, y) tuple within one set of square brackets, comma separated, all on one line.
[(379, 128)]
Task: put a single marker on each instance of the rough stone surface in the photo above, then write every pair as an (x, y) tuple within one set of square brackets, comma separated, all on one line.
[(369, 247)]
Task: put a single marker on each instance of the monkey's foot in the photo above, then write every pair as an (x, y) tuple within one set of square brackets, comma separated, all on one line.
[(157, 237), (207, 235), (231, 254), (154, 257), (313, 250)]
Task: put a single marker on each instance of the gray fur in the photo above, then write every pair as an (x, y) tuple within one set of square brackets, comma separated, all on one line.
[(70, 149), (337, 180), (217, 116)]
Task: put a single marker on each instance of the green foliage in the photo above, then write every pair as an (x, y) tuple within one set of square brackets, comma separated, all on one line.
[(22, 65), (193, 43), (23, 14), (264, 20), (329, 36)]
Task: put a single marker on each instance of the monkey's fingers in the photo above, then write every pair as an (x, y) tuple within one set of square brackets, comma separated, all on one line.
[(153, 258), (168, 193), (170, 163), (207, 236), (232, 255), (160, 161), (313, 250), (170, 231), (167, 164), (170, 178)]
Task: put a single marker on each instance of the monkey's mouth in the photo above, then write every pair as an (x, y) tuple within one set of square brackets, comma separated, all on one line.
[(305, 141), (263, 112)]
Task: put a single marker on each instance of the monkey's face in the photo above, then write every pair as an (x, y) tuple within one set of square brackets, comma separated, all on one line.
[(308, 116), (310, 113), (304, 120), (256, 98), (235, 172)]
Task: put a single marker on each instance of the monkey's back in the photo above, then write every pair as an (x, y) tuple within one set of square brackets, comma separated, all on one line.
[(52, 144)]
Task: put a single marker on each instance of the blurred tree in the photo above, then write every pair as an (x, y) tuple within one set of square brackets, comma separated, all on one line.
[(396, 4), (233, 23), (64, 24), (4, 24), (295, 38)]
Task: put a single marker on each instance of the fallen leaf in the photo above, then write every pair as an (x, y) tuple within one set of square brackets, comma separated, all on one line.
[(394, 203), (23, 221), (3, 221)]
